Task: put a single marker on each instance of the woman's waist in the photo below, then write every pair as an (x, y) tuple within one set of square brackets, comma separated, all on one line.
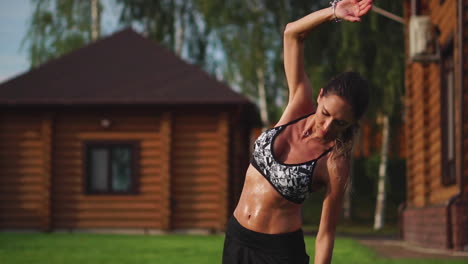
[(268, 220), (286, 243)]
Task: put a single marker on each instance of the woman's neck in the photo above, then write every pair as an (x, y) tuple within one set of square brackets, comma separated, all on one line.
[(308, 133)]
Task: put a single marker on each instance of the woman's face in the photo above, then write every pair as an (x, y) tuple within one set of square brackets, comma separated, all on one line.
[(334, 115)]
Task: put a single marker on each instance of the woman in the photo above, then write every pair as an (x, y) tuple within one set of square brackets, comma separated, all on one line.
[(309, 148)]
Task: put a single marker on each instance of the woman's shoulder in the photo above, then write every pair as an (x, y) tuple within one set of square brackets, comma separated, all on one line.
[(336, 162), (337, 168), (332, 167)]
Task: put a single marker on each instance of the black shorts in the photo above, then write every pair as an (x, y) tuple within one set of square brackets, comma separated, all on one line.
[(244, 246)]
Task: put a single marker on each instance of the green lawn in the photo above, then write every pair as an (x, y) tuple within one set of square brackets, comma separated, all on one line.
[(354, 229), (136, 249)]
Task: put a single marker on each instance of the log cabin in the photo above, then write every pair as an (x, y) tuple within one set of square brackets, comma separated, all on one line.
[(122, 136), (435, 214)]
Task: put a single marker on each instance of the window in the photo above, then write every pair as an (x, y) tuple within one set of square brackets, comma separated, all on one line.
[(448, 103), (110, 167)]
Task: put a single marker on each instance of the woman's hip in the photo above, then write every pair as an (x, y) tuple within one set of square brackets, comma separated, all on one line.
[(242, 245)]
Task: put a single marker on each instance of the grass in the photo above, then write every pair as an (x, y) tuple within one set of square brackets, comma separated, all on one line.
[(58, 248), (102, 249), (358, 229)]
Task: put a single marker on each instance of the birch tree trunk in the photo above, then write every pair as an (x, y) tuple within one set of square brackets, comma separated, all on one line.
[(262, 98), (95, 20), (381, 195), (180, 33), (179, 40)]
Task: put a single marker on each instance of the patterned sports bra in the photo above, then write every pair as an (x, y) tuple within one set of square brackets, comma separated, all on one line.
[(292, 181)]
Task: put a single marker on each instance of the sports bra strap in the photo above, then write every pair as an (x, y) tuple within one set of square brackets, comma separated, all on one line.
[(324, 153), (297, 119)]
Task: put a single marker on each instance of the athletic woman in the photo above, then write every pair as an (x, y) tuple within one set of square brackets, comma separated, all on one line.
[(309, 148)]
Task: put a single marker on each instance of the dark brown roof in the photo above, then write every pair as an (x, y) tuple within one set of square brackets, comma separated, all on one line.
[(124, 68)]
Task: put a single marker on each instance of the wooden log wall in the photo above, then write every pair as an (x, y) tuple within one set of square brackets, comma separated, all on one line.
[(241, 139), (182, 182), (74, 208), (199, 170), (24, 170), (423, 116)]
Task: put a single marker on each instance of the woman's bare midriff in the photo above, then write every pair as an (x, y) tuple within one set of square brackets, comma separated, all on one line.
[(262, 209)]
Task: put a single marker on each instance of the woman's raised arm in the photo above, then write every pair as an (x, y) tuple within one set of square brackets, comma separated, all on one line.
[(300, 100)]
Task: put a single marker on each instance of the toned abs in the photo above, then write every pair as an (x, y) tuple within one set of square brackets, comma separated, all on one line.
[(262, 209)]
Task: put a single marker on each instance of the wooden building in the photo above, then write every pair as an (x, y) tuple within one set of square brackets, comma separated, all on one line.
[(436, 211), (121, 135)]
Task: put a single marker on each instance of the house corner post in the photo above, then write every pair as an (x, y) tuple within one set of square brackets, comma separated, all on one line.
[(166, 142), (223, 132), (456, 221), (47, 157)]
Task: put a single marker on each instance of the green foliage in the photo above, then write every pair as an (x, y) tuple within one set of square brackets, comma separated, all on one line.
[(364, 192), (250, 37), (177, 24), (375, 48), (56, 28), (236, 38), (365, 187)]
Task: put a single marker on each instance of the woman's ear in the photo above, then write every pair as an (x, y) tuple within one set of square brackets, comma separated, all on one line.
[(320, 96)]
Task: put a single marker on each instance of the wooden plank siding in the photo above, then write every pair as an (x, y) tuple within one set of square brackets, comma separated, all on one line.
[(223, 131), (184, 170), (409, 135), (423, 117), (199, 166), (436, 219), (24, 170), (73, 208), (416, 122), (241, 140)]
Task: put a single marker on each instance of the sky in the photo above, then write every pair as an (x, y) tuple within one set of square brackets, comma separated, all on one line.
[(14, 18)]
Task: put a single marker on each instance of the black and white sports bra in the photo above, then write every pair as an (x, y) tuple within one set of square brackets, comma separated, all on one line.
[(292, 181)]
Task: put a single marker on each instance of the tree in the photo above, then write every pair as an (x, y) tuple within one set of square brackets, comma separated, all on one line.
[(176, 24), (375, 48), (58, 27), (95, 20), (389, 65), (251, 38)]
